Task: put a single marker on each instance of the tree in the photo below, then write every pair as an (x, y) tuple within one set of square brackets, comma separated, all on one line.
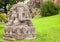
[(4, 3)]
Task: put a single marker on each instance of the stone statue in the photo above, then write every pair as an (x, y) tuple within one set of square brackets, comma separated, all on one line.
[(19, 25)]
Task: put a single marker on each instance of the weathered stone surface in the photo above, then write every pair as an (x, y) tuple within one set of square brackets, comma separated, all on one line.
[(19, 25)]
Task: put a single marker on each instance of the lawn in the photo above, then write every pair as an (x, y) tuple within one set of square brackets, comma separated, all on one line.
[(47, 30)]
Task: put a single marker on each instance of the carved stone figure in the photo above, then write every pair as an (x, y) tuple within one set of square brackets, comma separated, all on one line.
[(19, 25)]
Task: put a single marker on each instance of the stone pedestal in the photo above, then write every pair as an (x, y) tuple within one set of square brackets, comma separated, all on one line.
[(19, 25)]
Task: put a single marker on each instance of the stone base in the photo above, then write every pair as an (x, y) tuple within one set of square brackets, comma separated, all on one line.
[(6, 38), (19, 33)]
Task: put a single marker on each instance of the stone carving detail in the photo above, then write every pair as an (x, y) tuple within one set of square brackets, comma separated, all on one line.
[(19, 25)]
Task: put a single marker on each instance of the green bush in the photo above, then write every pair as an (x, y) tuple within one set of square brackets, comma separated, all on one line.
[(59, 8), (49, 8), (3, 17)]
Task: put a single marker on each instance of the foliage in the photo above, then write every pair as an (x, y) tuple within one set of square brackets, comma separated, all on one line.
[(59, 7), (36, 11), (3, 17), (4, 3), (9, 6), (49, 8)]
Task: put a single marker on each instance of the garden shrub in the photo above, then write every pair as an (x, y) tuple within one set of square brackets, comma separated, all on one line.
[(3, 17), (59, 8), (48, 8)]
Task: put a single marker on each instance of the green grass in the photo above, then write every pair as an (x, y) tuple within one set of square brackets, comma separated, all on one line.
[(47, 30)]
